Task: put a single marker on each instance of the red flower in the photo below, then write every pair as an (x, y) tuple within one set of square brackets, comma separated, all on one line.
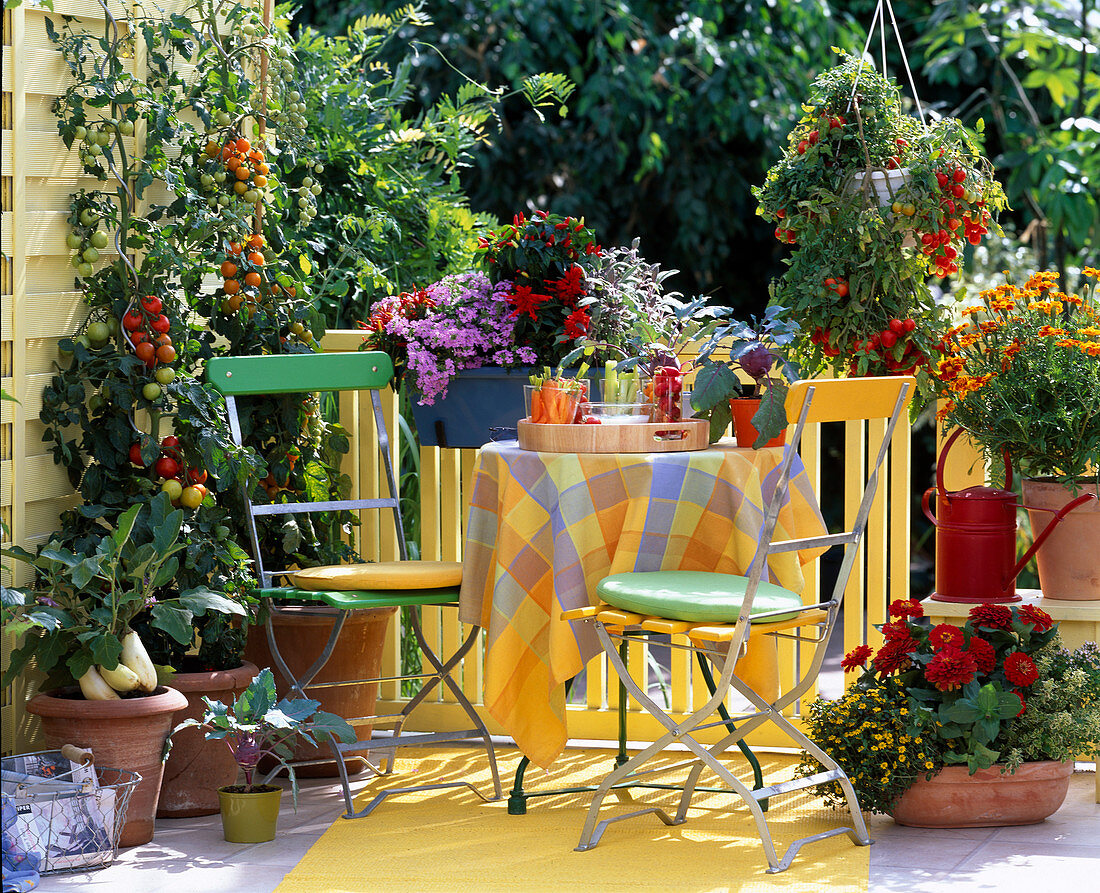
[(994, 616), (856, 658), (950, 669), (897, 629), (906, 607), (1037, 618), (894, 656), (983, 653), (526, 301), (570, 286), (1020, 669), (945, 635), (577, 323)]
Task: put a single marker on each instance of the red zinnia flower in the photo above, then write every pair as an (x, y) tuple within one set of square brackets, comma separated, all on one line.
[(897, 629), (945, 635), (1020, 669), (894, 656), (950, 669), (1037, 618), (526, 301), (906, 607), (577, 323), (856, 658), (983, 653), (995, 616)]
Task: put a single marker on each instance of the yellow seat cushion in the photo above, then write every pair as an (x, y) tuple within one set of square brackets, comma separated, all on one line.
[(380, 575)]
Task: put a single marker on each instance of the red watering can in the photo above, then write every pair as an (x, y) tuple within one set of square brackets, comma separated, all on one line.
[(976, 538)]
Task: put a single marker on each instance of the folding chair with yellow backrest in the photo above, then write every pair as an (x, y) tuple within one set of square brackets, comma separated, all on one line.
[(717, 614), (347, 588)]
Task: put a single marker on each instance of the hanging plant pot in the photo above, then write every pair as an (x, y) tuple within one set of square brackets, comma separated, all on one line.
[(250, 816), (884, 184), (1068, 567)]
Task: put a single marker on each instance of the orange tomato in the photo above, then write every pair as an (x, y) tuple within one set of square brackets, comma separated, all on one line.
[(243, 145), (235, 303), (233, 163), (256, 259), (243, 173), (145, 351), (256, 240), (229, 269), (163, 338), (260, 180), (252, 279), (234, 247), (166, 353), (231, 286), (263, 168), (212, 149)]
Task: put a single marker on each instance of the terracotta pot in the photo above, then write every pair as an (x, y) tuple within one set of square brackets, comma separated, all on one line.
[(125, 734), (955, 799), (196, 767), (743, 409), (358, 655), (1068, 567)]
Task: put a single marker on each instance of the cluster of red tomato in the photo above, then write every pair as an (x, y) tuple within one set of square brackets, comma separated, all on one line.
[(666, 393), (892, 351), (146, 328), (171, 469), (960, 209)]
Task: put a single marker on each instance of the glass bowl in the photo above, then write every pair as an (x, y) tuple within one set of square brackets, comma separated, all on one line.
[(618, 413), (559, 408)]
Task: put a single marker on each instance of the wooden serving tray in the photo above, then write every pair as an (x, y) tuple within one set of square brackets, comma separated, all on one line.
[(651, 437)]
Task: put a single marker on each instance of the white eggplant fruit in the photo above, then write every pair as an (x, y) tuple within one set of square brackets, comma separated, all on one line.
[(94, 688), (136, 658), (121, 678)]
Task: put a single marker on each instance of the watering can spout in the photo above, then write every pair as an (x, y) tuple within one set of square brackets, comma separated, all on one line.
[(1041, 538)]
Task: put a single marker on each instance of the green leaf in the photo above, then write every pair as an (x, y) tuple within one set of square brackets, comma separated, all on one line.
[(174, 620), (200, 600)]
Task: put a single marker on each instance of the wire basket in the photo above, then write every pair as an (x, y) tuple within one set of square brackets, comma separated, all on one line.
[(62, 815)]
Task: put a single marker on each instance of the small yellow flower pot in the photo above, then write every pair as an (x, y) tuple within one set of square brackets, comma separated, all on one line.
[(250, 817)]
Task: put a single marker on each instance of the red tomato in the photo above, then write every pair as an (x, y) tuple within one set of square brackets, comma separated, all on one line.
[(196, 475), (167, 467), (152, 304), (135, 454)]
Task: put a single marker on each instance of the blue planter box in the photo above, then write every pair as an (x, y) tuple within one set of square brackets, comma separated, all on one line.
[(477, 401)]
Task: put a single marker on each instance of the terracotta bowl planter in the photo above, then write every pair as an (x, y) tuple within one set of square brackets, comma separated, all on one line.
[(196, 767), (955, 799), (358, 655), (125, 734)]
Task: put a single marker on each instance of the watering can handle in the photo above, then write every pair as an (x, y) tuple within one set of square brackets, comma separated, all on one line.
[(926, 506), (943, 461)]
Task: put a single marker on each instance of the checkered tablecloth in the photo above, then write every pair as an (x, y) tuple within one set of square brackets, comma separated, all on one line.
[(544, 528)]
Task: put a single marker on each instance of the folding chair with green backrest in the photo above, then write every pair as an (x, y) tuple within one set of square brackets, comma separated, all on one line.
[(717, 613), (346, 588)]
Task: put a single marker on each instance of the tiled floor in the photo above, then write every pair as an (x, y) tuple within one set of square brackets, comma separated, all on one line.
[(1063, 852)]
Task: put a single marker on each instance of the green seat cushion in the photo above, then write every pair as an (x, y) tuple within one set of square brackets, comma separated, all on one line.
[(365, 598), (693, 596)]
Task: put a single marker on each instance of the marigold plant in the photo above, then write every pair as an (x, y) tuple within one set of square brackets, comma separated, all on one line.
[(1021, 374)]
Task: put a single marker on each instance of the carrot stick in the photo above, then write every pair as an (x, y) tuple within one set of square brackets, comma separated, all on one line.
[(537, 414)]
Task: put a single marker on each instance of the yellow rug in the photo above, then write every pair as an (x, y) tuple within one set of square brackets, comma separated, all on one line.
[(449, 840)]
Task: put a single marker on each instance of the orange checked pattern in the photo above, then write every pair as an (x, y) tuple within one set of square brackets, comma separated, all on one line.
[(544, 528)]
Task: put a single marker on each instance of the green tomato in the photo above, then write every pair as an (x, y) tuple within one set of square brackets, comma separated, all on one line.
[(103, 139), (89, 217), (173, 488), (206, 180), (126, 128), (80, 131), (221, 532), (219, 177), (91, 255), (318, 168), (303, 203), (85, 270), (83, 341), (98, 239), (315, 189), (94, 150), (165, 374), (73, 241), (76, 260), (98, 333), (151, 391), (95, 403), (223, 118), (251, 196), (112, 325)]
